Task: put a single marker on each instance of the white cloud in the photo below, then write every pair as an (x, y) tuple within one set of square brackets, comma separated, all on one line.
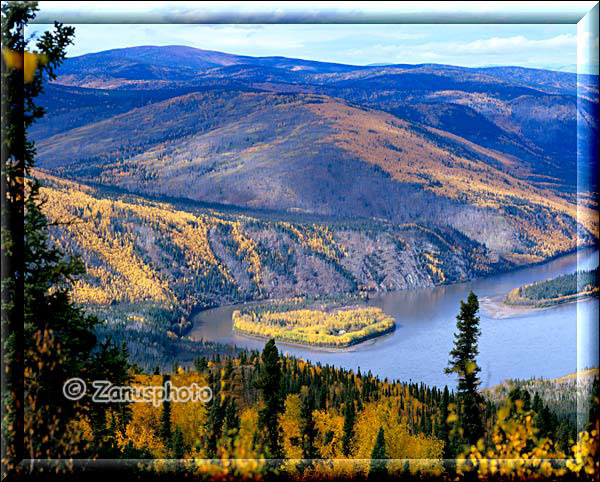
[(507, 45), (510, 50), (468, 45)]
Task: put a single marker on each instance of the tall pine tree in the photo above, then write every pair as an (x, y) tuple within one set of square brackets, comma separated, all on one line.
[(46, 338), (378, 468), (165, 416), (309, 431), (349, 419), (463, 362), (270, 382)]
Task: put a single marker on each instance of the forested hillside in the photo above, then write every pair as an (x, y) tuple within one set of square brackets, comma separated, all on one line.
[(170, 180), (277, 416), (251, 150), (151, 262), (529, 113), (200, 178), (566, 397)]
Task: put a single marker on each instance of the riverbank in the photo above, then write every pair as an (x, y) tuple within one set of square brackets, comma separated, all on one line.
[(418, 349), (497, 308), (197, 312), (353, 347)]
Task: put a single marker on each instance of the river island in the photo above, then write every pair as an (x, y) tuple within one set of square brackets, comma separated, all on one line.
[(327, 325), (562, 289)]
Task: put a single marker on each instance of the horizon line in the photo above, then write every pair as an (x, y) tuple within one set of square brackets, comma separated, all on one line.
[(375, 65)]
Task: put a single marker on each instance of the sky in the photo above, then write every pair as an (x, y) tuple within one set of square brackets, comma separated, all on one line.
[(550, 46)]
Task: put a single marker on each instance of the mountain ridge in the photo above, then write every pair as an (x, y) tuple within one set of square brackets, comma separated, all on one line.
[(294, 135)]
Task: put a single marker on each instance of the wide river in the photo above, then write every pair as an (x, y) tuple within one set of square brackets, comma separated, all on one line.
[(546, 343)]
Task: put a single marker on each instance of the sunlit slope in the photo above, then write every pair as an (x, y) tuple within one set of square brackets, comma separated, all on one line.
[(539, 116), (318, 154), (139, 251), (454, 168)]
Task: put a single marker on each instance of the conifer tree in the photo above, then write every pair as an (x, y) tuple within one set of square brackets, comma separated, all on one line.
[(349, 419), (215, 417), (270, 382), (309, 432), (463, 363), (444, 430), (232, 419), (165, 417), (378, 468), (47, 340), (178, 446)]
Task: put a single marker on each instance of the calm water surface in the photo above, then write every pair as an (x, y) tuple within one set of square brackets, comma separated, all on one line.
[(546, 343)]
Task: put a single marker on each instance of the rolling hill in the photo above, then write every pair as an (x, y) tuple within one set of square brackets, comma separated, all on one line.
[(152, 262), (489, 153)]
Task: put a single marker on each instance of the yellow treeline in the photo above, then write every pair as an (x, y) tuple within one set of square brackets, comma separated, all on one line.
[(318, 238), (107, 231), (315, 327), (192, 418)]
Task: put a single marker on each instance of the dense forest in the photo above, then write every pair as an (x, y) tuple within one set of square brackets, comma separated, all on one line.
[(561, 289), (152, 262), (324, 422)]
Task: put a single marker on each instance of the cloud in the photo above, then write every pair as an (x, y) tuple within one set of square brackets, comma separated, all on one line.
[(514, 50), (467, 45), (223, 37), (507, 45)]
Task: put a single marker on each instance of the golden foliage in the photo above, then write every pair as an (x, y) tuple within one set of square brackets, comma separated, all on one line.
[(399, 442), (515, 449), (378, 138), (26, 61), (314, 327), (319, 239), (585, 452), (329, 422), (290, 426)]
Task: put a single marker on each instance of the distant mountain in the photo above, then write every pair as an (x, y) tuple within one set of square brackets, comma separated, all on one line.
[(489, 153), (532, 112), (174, 63)]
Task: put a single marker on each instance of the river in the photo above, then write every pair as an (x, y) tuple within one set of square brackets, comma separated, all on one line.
[(547, 343)]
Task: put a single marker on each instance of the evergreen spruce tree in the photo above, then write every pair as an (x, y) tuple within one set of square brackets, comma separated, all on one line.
[(46, 338), (178, 446), (232, 419), (537, 403), (309, 431), (463, 363), (378, 468), (349, 419), (215, 417), (201, 364), (270, 382), (109, 362), (444, 429), (165, 416)]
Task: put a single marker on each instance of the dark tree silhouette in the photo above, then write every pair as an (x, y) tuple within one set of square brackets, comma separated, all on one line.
[(349, 419), (378, 468), (463, 363), (270, 382)]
